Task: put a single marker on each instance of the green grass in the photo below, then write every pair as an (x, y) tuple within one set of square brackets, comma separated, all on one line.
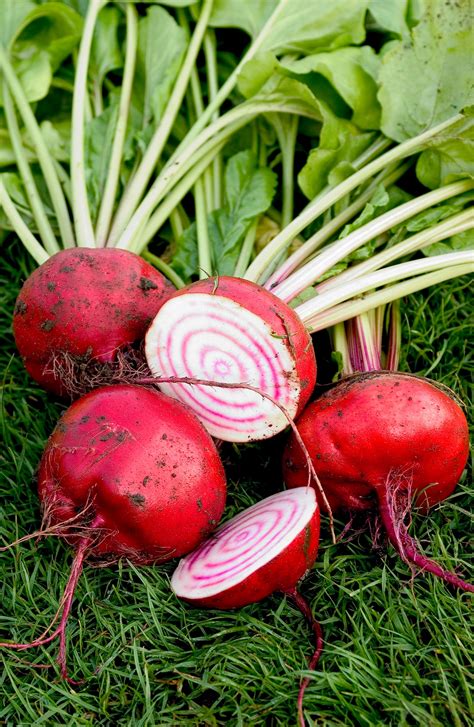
[(397, 651)]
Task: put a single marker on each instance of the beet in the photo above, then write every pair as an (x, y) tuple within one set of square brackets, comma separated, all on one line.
[(268, 547), (378, 439), (127, 473), (82, 307), (232, 331)]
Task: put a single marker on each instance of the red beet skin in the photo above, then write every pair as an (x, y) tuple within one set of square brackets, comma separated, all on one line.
[(376, 426), (143, 469), (87, 304), (376, 440), (130, 473), (283, 320)]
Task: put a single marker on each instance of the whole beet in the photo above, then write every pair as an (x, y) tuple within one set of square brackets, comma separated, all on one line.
[(145, 466), (127, 473), (378, 439), (84, 305)]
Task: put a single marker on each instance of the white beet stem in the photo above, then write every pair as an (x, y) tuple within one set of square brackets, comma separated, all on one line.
[(314, 269), (164, 268), (180, 164), (173, 199), (221, 95), (364, 343), (134, 191), (39, 213), (387, 177), (174, 171), (246, 250), (355, 307), (257, 270), (198, 102), (45, 159), (27, 238), (210, 53), (343, 282), (341, 346), (395, 337), (113, 176), (231, 81), (85, 235), (449, 227), (402, 271), (202, 196), (287, 140), (204, 246), (364, 339)]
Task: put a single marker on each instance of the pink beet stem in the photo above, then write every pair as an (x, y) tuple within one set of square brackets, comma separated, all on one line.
[(302, 604), (66, 603), (389, 500)]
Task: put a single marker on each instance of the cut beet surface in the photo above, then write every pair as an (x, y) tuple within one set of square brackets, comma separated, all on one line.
[(230, 331)]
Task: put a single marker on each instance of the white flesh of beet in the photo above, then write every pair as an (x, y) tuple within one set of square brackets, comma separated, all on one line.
[(192, 337), (244, 544)]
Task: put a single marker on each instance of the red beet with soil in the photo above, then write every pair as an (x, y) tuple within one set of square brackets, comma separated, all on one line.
[(84, 305), (149, 470), (127, 473), (378, 439)]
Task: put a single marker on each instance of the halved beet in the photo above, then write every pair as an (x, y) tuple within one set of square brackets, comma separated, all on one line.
[(268, 547), (263, 549), (231, 331)]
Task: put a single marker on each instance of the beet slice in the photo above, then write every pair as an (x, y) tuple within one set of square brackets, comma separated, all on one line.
[(268, 547), (231, 331)]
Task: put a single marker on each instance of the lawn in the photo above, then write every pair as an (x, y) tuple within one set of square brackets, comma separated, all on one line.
[(398, 650)]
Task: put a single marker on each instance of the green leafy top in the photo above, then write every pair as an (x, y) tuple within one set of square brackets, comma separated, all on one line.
[(249, 191), (427, 77)]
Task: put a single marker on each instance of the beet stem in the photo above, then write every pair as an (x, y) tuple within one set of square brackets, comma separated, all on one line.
[(302, 604), (65, 607), (390, 505)]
